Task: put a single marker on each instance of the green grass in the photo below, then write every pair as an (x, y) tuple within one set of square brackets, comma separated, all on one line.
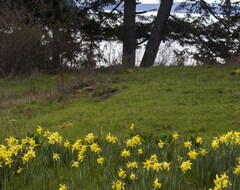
[(191, 100), (194, 101)]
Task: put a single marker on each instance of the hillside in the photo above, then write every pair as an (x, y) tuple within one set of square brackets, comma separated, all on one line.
[(191, 100)]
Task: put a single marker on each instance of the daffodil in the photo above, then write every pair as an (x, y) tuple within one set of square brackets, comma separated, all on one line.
[(186, 165), (179, 158), (77, 145), (166, 165), (8, 162), (193, 154), (19, 170), (125, 153), (187, 144), (199, 140), (132, 176), (54, 138), (132, 127), (83, 149), (222, 181), (100, 160), (237, 170), (147, 164), (175, 135), (132, 165), (157, 184), (118, 185), (111, 139), (75, 164), (62, 187), (203, 152), (25, 158), (56, 156), (46, 133), (134, 141), (140, 151), (11, 141), (39, 130), (67, 144), (161, 144), (153, 158), (90, 138), (156, 166), (121, 173), (80, 157), (215, 144), (95, 148)]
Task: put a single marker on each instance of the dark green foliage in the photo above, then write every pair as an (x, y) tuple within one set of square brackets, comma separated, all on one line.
[(215, 32)]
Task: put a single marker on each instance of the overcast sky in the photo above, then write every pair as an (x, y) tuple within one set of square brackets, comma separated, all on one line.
[(157, 1), (149, 1)]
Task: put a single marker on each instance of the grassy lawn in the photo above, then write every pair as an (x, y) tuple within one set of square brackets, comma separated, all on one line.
[(191, 100), (194, 101)]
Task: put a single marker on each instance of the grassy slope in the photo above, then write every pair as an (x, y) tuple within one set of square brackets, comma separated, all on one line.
[(192, 101)]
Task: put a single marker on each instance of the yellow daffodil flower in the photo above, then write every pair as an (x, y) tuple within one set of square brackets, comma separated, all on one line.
[(156, 166), (121, 173), (132, 127), (157, 184), (186, 165), (111, 139), (132, 176), (175, 135), (161, 144), (39, 130), (95, 148), (89, 138), (166, 165), (132, 165), (203, 152), (187, 144), (118, 185), (19, 170), (140, 151), (75, 164), (237, 170), (62, 187), (199, 140), (193, 154), (125, 153), (100, 160), (56, 156)]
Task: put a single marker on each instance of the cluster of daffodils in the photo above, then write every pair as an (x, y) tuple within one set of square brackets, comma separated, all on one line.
[(221, 182), (17, 151), (153, 163), (230, 138), (128, 161)]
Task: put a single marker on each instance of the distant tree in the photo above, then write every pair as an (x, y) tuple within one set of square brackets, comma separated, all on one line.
[(215, 33), (68, 32), (157, 33)]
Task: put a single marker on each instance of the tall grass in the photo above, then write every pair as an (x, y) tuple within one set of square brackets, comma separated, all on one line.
[(45, 160)]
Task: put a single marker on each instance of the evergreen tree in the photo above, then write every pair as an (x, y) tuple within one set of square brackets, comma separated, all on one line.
[(215, 32)]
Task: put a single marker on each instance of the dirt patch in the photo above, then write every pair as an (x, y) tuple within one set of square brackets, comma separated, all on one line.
[(104, 93)]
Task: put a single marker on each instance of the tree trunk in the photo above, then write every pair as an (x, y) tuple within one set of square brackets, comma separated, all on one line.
[(55, 66), (157, 33), (129, 33)]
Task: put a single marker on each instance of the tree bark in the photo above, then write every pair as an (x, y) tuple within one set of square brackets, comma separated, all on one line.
[(129, 33), (157, 33)]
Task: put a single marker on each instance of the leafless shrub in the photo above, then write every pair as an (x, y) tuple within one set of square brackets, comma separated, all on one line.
[(21, 50)]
